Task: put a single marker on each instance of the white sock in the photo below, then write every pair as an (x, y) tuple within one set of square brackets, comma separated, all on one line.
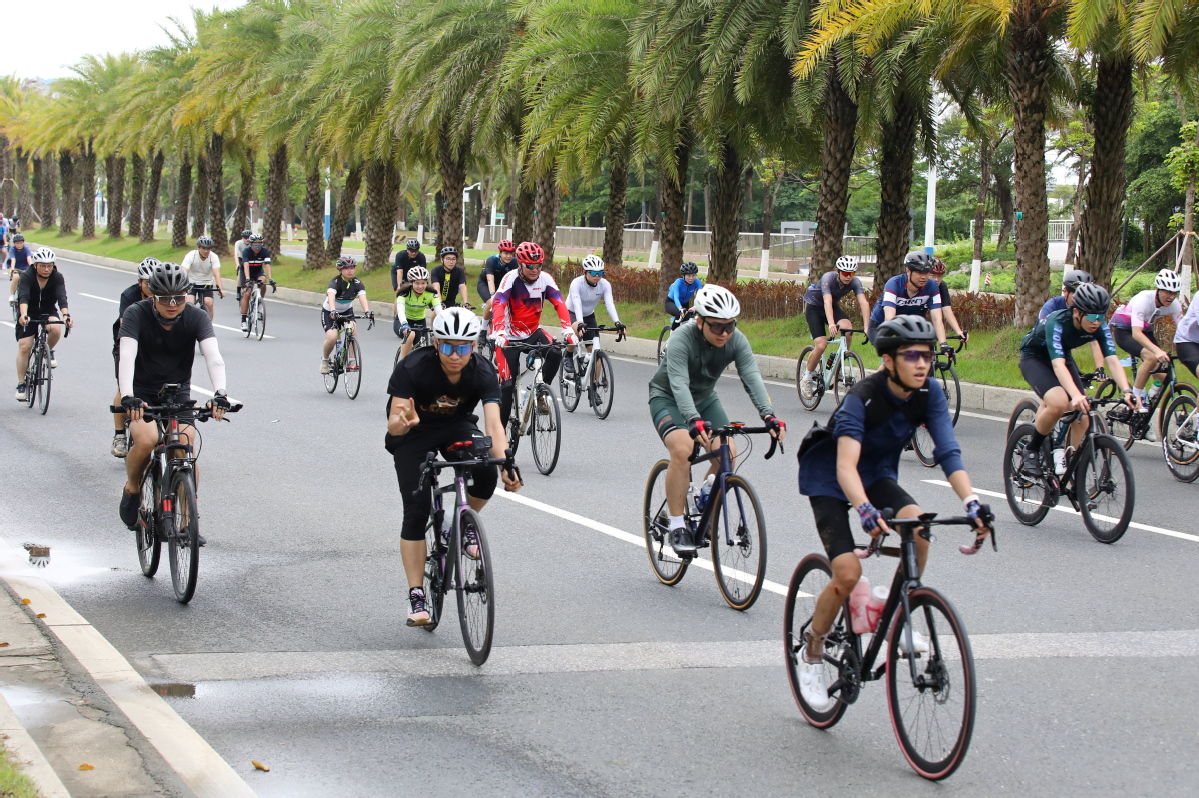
[(676, 521), (1139, 392)]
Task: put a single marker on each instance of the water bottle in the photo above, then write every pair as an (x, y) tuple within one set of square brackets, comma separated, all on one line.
[(1059, 461), (858, 600), (1154, 390), (704, 491), (692, 495), (874, 607)]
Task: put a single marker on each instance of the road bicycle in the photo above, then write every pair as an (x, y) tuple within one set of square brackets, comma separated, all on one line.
[(1180, 444), (256, 309), (169, 511), (669, 328), (536, 411), (591, 369), (729, 519), (1096, 477), (944, 372), (839, 369), (39, 376), (447, 564), (931, 693), (1129, 426), (423, 337), (1025, 411), (346, 357)]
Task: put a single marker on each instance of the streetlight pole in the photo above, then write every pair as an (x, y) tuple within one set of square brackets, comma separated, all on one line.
[(328, 180), (930, 209)]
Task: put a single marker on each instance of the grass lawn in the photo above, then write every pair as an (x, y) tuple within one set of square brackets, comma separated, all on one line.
[(13, 782)]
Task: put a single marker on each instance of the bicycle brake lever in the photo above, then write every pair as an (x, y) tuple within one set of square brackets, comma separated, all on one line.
[(774, 444)]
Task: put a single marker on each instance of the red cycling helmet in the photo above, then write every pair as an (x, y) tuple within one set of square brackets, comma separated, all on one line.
[(938, 266), (507, 246), (530, 254)]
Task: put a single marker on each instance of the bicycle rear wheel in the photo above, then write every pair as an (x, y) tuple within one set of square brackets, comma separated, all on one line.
[(948, 377), (546, 430), (568, 385), (933, 715), (146, 536), (1029, 498), (184, 536), (850, 371), (662, 337), (1025, 412), (812, 402), (1106, 489), (260, 321), (738, 543), (353, 365), (604, 384), (809, 580), (45, 379), (922, 445), (1180, 438), (1120, 422), (1170, 393), (668, 567), (475, 589)]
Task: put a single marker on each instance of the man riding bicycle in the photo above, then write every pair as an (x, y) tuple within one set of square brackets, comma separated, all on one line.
[(683, 402), (407, 258), (583, 298), (1070, 282), (339, 298), (1132, 326), (938, 276), (822, 310), (682, 293), (17, 264), (433, 394), (495, 268), (1048, 367), (134, 293), (910, 294), (256, 268), (240, 245), (876, 419), (41, 294), (203, 268)]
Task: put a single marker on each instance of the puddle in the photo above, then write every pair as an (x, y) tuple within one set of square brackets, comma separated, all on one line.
[(64, 567), (175, 690)]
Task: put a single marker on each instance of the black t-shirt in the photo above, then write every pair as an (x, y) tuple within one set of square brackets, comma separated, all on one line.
[(448, 283), (497, 269), (163, 355), (438, 401), (945, 295), (404, 262), (129, 296), (42, 301), (248, 255)]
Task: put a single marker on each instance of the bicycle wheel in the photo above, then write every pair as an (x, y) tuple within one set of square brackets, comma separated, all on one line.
[(662, 337), (334, 371), (932, 713), (260, 321), (809, 580), (513, 430), (922, 445), (353, 366), (45, 379), (1120, 423), (953, 390), (1106, 489), (146, 536), (738, 543), (1180, 443), (1030, 499), (476, 592), (435, 576), (31, 376), (183, 543), (568, 386), (850, 371), (546, 430), (603, 386), (1169, 394), (253, 313), (1025, 412), (812, 402), (668, 567)]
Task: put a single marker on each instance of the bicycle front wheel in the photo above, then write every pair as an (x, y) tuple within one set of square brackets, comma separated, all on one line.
[(568, 385), (546, 430), (146, 536), (253, 312), (738, 543), (932, 697), (922, 445), (953, 390), (435, 575), (476, 592), (813, 401), (31, 377), (184, 536), (1180, 438), (1029, 498), (668, 567), (1106, 490), (809, 580), (850, 371), (662, 337), (603, 386), (334, 371), (353, 366), (260, 321), (45, 379)]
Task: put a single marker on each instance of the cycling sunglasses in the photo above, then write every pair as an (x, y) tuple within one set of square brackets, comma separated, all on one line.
[(595, 274), (916, 356), (1093, 316), (722, 329), (175, 299), (462, 350)]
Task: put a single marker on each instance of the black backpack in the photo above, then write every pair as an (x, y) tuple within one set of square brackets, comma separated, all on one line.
[(872, 391)]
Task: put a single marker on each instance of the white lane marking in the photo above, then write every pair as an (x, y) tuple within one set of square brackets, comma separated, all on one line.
[(636, 540), (101, 298), (236, 330), (8, 324), (982, 415), (187, 753), (1131, 524), (19, 742), (214, 324)]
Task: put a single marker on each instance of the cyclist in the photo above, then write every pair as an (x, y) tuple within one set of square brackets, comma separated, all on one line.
[(158, 346), (584, 296), (203, 267), (41, 293), (413, 301), (255, 267), (405, 260), (239, 245), (1186, 337), (823, 312), (432, 397), (683, 402), (682, 293), (516, 320), (1070, 282), (1048, 366), (910, 294), (17, 263), (938, 275), (495, 268), (877, 420), (339, 298), (449, 279), (134, 293), (1132, 326), (4, 236)]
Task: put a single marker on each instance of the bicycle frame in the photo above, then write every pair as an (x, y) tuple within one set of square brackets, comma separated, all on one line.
[(534, 360), (721, 452), (833, 363), (595, 345)]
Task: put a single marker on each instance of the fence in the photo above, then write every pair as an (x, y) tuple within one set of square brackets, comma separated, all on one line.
[(1059, 229)]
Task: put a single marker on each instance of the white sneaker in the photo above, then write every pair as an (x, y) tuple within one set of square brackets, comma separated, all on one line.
[(21, 392), (120, 447), (807, 385), (53, 360), (326, 365), (918, 641), (812, 686), (245, 325)]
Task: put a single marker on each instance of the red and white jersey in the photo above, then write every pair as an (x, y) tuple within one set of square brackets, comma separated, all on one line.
[(516, 305)]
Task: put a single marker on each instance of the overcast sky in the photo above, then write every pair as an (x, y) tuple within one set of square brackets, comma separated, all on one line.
[(51, 35)]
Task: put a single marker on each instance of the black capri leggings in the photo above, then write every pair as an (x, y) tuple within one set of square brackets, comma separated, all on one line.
[(513, 352), (1188, 353), (672, 309)]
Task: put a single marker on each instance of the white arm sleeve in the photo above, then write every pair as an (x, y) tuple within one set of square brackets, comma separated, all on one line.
[(216, 365), (573, 304), (609, 303), (125, 367)]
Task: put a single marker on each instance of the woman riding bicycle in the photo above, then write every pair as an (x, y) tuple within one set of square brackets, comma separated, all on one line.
[(823, 312), (682, 292), (1132, 325)]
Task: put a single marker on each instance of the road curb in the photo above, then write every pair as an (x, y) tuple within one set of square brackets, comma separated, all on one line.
[(25, 753)]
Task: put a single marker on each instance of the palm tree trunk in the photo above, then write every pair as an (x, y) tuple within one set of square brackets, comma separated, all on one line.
[(8, 205), (984, 185), (241, 214), (35, 190), (897, 154), (276, 196), (451, 162), (522, 216), (1076, 212), (70, 200), (49, 206), (341, 218), (216, 194), (545, 223), (183, 195), (87, 189), (671, 200), (1111, 114), (836, 164), (21, 176), (314, 223), (150, 200), (727, 198), (137, 185), (382, 188), (114, 171), (618, 190), (1028, 61), (200, 200), (1007, 212)]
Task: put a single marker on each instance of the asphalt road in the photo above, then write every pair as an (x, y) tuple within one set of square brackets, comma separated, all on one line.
[(602, 681)]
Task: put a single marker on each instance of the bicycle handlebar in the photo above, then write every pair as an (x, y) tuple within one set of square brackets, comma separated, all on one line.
[(507, 462), (182, 412), (961, 339), (46, 322), (348, 315), (621, 334), (926, 520), (735, 428)]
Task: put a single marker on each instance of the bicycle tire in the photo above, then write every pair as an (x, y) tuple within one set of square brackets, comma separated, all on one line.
[(1104, 454), (45, 380), (604, 385), (183, 545), (817, 380), (952, 387), (334, 371), (662, 338), (146, 537), (1180, 443), (252, 311), (513, 428), (568, 384), (475, 588), (31, 372), (953, 705), (1117, 425), (1024, 412), (436, 574), (668, 568), (740, 567), (546, 430), (1169, 394), (807, 583), (850, 371), (1030, 500), (260, 321), (922, 445), (353, 365)]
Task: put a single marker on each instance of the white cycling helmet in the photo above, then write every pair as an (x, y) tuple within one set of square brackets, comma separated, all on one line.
[(456, 324), (1168, 280), (593, 263), (716, 302), (146, 268), (417, 273), (847, 263), (42, 255)]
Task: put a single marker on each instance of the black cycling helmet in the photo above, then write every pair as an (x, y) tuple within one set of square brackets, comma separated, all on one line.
[(904, 330), (169, 279), (1074, 278), (1091, 298), (346, 262), (247, 233), (920, 262), (256, 239), (18, 239), (205, 242), (448, 251), (413, 245), (688, 268)]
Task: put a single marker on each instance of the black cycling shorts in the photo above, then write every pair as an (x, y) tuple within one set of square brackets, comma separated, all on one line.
[(832, 514), (1188, 353), (1124, 339), (818, 322), (1041, 377), (201, 292), (588, 321), (327, 320)]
